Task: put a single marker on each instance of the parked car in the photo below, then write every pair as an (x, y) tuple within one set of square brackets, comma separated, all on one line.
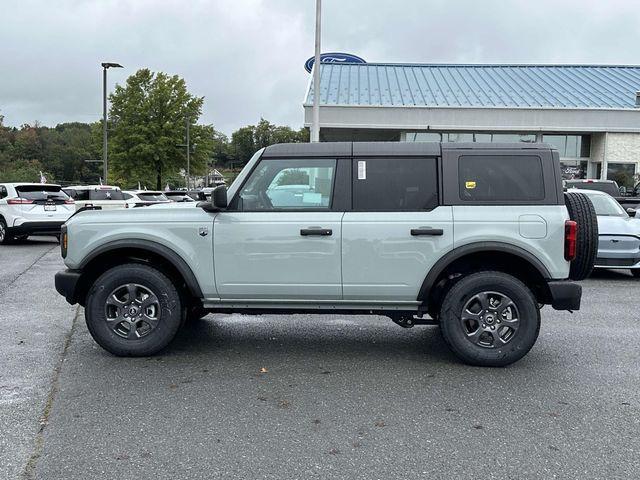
[(104, 196), (609, 187), (32, 209), (144, 198), (619, 234), (178, 196), (197, 195), (472, 237)]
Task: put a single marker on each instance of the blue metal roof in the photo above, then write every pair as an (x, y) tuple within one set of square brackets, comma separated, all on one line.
[(503, 86)]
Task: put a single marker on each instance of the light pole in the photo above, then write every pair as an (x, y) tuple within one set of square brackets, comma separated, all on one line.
[(188, 147), (315, 124), (105, 67)]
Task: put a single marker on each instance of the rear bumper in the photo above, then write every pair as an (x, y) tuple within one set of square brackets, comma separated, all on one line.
[(37, 228), (565, 295), (67, 284)]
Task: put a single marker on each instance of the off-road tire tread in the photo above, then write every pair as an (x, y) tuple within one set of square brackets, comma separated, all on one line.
[(582, 212)]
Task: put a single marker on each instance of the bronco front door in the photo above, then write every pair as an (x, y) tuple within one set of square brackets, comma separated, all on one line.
[(280, 238)]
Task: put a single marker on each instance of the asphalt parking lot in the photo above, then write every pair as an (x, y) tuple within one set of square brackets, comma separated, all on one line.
[(312, 396)]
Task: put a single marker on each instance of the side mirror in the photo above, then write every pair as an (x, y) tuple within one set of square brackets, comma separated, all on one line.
[(632, 212), (219, 197), (218, 200)]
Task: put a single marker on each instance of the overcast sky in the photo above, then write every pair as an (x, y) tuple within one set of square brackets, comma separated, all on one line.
[(246, 56)]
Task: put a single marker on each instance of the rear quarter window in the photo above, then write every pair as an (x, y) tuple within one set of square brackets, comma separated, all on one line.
[(491, 178)]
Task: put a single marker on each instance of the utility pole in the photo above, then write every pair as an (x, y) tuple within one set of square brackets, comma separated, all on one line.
[(315, 125), (105, 67), (188, 154)]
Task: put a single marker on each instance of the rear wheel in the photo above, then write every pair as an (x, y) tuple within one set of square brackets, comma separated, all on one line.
[(582, 212), (490, 319), (5, 238), (133, 310)]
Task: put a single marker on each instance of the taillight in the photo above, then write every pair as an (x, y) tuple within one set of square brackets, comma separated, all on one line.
[(570, 239), (64, 241), (69, 201), (18, 201)]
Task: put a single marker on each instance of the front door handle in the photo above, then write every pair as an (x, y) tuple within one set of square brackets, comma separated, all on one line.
[(434, 232), (322, 232)]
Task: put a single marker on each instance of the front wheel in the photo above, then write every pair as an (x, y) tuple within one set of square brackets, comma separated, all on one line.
[(490, 319), (133, 310)]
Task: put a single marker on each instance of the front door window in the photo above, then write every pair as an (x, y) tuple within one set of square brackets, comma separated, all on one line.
[(289, 185)]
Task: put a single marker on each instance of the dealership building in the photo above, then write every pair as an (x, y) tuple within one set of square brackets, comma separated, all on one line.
[(590, 113)]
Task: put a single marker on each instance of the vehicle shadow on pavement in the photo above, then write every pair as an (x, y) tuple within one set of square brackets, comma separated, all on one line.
[(600, 274), (31, 241), (308, 336)]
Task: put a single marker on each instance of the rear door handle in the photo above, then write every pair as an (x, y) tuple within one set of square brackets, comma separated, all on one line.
[(322, 232), (434, 232)]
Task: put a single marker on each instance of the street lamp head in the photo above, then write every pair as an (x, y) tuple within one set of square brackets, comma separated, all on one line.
[(111, 64)]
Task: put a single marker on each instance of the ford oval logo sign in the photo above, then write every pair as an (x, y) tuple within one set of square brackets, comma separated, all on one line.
[(334, 57)]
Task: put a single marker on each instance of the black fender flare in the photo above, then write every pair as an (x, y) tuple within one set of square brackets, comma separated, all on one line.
[(477, 247), (154, 247)]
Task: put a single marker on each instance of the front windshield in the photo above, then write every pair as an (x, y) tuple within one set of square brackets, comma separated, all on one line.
[(606, 206)]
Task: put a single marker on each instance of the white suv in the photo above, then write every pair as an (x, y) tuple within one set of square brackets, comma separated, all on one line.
[(144, 198), (32, 209)]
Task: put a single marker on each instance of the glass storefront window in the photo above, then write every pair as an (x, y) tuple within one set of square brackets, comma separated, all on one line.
[(513, 137), (457, 137), (422, 137), (573, 169), (482, 137), (570, 146), (622, 173)]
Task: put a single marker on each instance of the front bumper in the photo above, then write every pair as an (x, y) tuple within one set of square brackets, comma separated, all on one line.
[(67, 284), (617, 263), (36, 228), (565, 295)]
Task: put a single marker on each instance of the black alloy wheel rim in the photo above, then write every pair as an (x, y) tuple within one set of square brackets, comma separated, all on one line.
[(490, 319)]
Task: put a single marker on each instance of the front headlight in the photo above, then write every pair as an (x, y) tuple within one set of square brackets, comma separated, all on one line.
[(64, 241)]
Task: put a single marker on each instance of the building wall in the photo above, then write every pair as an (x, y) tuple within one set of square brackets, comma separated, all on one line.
[(623, 147)]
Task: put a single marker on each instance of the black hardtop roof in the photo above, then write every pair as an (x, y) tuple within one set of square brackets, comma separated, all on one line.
[(371, 149)]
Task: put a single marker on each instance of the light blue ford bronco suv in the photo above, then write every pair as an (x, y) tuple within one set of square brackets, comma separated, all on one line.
[(474, 238)]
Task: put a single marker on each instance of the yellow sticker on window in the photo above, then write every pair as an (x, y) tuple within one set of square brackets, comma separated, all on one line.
[(470, 185)]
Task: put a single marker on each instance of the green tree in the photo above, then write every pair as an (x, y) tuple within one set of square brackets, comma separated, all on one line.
[(148, 124), (246, 140)]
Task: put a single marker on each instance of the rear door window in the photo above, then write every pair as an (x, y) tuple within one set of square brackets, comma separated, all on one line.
[(500, 178), (388, 184)]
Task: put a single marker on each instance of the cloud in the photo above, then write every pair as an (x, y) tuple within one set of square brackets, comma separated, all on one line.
[(246, 56)]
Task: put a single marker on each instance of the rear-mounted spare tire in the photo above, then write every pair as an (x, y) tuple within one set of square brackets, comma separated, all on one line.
[(582, 212)]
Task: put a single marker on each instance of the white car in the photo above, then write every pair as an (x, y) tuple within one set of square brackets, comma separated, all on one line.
[(144, 198), (618, 233), (103, 196), (32, 209)]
